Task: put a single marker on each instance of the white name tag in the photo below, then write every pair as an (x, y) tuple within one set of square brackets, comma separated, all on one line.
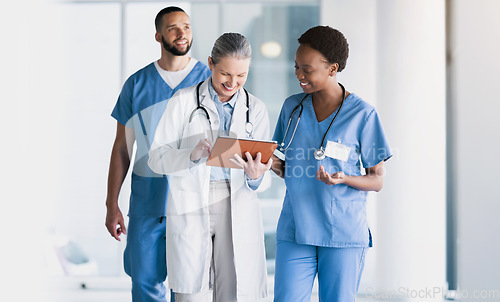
[(337, 151)]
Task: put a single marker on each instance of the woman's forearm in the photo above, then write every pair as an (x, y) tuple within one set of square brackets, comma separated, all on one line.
[(370, 182)]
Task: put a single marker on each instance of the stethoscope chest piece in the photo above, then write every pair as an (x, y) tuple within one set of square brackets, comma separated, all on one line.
[(249, 128), (319, 154)]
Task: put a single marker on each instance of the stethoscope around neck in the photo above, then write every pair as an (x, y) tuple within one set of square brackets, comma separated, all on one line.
[(319, 153), (248, 124)]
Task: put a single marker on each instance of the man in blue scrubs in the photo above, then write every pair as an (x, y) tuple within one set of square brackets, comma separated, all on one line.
[(138, 110)]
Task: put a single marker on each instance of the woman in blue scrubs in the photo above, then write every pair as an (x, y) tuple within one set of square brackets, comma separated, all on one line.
[(327, 136)]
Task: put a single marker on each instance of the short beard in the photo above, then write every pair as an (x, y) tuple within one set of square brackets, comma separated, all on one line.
[(173, 50)]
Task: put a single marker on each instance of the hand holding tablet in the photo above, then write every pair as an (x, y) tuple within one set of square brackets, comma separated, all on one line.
[(225, 149)]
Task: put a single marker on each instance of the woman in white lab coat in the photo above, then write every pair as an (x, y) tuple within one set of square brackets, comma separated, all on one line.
[(215, 238)]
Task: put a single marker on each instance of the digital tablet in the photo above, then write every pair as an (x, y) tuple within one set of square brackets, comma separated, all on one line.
[(225, 148)]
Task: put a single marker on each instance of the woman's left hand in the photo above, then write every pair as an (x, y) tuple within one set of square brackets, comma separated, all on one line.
[(333, 179), (253, 167)]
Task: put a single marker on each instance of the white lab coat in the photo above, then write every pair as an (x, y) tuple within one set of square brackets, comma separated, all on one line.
[(188, 224)]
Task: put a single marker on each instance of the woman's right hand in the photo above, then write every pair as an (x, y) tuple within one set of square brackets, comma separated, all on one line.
[(202, 149)]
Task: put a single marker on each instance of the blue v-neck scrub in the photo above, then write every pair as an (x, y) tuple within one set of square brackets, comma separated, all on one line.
[(323, 228)]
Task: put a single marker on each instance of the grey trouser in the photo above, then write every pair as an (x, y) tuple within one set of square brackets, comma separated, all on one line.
[(221, 283)]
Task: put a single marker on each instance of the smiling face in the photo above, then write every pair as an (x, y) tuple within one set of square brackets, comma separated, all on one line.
[(312, 69), (175, 33), (228, 76)]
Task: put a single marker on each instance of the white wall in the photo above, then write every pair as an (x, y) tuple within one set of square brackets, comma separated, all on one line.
[(476, 104), (91, 77), (411, 91), (60, 80), (398, 60), (31, 147)]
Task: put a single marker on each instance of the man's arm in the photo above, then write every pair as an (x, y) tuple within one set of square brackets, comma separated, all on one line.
[(118, 168)]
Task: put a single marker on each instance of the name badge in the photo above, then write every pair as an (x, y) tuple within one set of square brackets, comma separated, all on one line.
[(337, 151)]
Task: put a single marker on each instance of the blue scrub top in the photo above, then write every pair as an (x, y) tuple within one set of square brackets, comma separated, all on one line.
[(314, 213), (140, 106)]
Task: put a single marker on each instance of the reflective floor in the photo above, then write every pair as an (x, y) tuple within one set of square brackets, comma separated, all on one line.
[(64, 289)]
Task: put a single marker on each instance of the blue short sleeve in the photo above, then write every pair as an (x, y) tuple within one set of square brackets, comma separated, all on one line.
[(123, 108), (279, 130), (373, 143)]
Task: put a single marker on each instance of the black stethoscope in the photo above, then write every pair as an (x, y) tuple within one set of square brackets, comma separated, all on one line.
[(319, 153), (248, 124)]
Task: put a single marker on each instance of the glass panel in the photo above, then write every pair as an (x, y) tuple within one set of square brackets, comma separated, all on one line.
[(206, 28)]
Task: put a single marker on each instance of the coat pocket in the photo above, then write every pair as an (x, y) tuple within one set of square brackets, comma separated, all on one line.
[(183, 202)]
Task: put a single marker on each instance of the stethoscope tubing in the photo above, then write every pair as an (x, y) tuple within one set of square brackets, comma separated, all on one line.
[(282, 148), (335, 117), (248, 124), (319, 153)]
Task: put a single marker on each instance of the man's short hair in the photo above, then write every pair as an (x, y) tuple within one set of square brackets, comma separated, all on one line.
[(163, 12)]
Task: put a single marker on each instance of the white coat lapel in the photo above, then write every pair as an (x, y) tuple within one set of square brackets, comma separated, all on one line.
[(206, 101)]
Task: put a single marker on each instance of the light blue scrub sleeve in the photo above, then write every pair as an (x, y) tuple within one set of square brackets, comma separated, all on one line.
[(254, 183), (374, 145), (123, 108)]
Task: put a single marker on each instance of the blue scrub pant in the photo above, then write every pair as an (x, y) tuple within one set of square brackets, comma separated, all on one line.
[(339, 271), (145, 258)]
